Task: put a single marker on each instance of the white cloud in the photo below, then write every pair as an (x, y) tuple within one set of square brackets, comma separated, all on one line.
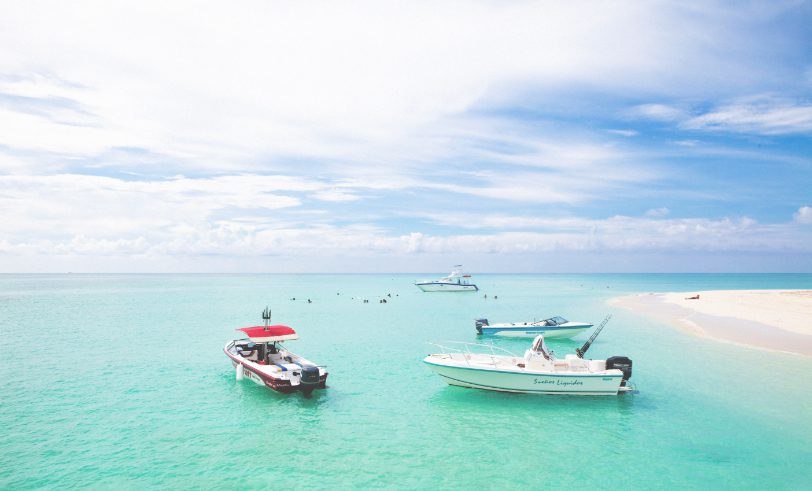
[(804, 215), (243, 219), (657, 112), (335, 195), (767, 117), (249, 215), (762, 115), (658, 212), (219, 84), (67, 206), (376, 99), (687, 143), (575, 234), (626, 233), (627, 133)]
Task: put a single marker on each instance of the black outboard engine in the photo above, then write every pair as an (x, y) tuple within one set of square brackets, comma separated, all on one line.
[(479, 323), (623, 364), (310, 375), (309, 379)]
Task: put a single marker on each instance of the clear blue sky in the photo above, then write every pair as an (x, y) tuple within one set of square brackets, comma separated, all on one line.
[(405, 136)]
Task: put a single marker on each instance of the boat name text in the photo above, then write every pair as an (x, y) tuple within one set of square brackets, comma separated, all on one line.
[(557, 382)]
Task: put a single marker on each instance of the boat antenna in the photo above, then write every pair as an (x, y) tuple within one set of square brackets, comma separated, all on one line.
[(582, 350), (266, 315)]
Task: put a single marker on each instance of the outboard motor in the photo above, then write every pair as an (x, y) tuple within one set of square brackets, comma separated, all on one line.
[(621, 363), (310, 374), (479, 323), (309, 379)]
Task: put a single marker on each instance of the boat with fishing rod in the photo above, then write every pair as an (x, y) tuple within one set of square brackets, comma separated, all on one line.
[(539, 371), (554, 327), (261, 358), (456, 281)]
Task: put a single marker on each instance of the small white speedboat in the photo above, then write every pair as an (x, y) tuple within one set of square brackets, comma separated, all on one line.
[(456, 281), (537, 372), (554, 327), (261, 358)]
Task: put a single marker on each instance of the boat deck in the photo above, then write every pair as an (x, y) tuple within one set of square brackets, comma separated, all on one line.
[(517, 364)]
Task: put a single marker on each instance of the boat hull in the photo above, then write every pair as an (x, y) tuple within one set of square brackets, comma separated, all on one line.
[(446, 287), (255, 373), (531, 331), (528, 382)]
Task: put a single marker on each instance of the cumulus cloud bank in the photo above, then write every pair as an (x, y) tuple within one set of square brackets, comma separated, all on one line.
[(272, 129)]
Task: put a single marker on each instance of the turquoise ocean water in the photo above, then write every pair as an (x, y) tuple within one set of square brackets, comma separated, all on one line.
[(119, 381)]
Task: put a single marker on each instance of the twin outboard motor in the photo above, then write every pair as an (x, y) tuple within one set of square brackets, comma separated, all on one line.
[(479, 323), (621, 363)]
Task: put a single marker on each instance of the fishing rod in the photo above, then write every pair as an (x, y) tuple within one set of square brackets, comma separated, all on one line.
[(582, 350)]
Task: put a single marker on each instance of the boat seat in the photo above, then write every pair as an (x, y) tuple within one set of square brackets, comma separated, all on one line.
[(286, 367), (576, 363), (291, 366)]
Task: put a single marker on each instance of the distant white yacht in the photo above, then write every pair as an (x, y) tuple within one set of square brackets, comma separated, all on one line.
[(454, 282)]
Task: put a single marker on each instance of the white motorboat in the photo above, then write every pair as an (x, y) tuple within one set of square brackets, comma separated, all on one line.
[(261, 358), (554, 327), (456, 281), (537, 372)]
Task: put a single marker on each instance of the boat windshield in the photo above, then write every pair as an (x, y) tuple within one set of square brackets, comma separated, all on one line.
[(457, 280), (556, 321)]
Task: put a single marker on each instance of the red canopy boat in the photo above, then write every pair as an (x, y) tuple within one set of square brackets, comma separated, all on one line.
[(269, 334), (262, 359)]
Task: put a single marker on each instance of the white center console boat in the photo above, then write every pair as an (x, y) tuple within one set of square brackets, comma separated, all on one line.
[(537, 372)]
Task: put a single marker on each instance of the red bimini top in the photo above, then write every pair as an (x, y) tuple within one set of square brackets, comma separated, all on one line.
[(269, 334)]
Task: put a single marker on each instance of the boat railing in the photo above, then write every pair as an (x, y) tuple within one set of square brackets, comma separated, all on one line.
[(464, 348)]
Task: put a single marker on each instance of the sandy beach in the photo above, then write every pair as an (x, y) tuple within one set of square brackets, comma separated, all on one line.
[(778, 320)]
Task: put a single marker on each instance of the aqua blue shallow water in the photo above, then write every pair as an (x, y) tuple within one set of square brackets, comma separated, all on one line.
[(119, 381)]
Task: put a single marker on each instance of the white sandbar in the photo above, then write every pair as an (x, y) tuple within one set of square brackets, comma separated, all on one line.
[(770, 319)]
